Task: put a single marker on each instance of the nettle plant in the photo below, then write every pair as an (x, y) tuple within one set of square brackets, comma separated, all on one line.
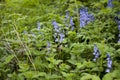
[(60, 40)]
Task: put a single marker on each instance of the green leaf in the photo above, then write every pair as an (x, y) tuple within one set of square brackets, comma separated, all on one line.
[(53, 76), (23, 67), (111, 76), (8, 59), (108, 76), (33, 74), (89, 76), (57, 62)]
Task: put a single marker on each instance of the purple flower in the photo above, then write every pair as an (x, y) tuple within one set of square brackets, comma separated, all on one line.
[(90, 17), (107, 70), (108, 56), (66, 18), (85, 17), (96, 52), (61, 37), (48, 47), (110, 3), (56, 37), (96, 56), (71, 23), (118, 22), (109, 63), (54, 23), (95, 49), (119, 35), (119, 41), (38, 25), (119, 26), (67, 15), (55, 26)]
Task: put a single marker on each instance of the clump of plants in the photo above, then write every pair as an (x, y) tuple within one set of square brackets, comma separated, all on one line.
[(59, 40)]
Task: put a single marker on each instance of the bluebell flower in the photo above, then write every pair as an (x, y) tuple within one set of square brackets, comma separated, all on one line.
[(96, 52), (119, 35), (54, 23), (57, 31), (61, 37), (56, 26), (110, 3), (48, 47), (118, 22), (66, 18), (38, 25), (108, 56), (71, 23), (96, 56), (85, 17), (90, 17), (95, 49), (56, 37), (107, 70), (119, 41), (67, 15), (109, 63), (119, 27)]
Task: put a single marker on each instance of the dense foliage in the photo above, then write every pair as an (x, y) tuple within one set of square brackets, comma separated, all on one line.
[(59, 39)]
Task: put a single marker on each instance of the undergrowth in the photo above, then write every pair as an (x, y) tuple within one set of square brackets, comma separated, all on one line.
[(44, 40)]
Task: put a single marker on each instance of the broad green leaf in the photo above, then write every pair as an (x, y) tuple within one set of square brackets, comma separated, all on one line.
[(89, 76), (23, 67), (8, 59)]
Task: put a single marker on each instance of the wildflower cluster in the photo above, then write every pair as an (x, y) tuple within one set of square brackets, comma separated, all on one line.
[(110, 5), (96, 52), (109, 63), (67, 15), (61, 37), (58, 34), (66, 19), (85, 17), (56, 27), (71, 23)]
